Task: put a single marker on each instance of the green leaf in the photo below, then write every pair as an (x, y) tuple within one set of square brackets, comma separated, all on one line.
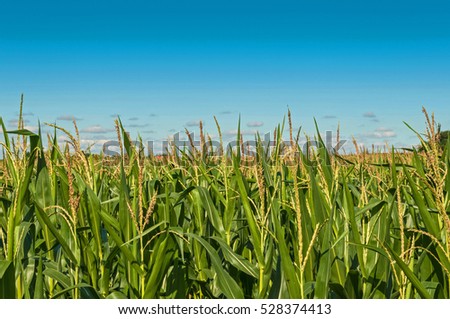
[(350, 209), (42, 192), (39, 286), (122, 246), (63, 279), (323, 274), (432, 227), (23, 132), (211, 210), (236, 260), (421, 289), (86, 291), (7, 280), (250, 217), (225, 282), (161, 259), (289, 271)]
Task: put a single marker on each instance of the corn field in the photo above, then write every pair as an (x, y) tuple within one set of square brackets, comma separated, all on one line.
[(279, 224)]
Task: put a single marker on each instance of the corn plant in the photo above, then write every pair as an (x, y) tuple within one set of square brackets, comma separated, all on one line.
[(269, 224)]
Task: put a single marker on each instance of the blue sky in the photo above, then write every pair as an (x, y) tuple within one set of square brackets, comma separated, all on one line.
[(164, 65)]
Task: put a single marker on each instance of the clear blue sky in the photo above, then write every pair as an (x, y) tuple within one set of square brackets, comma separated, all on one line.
[(164, 65)]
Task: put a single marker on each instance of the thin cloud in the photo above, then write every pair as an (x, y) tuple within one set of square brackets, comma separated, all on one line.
[(133, 119), (96, 129), (193, 123), (115, 115), (329, 117), (226, 112), (137, 125), (68, 118), (15, 123), (100, 137), (26, 114), (153, 115), (255, 124), (370, 115), (149, 132)]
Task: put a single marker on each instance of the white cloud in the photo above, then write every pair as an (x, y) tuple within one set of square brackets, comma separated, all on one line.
[(99, 137), (381, 132), (95, 145), (90, 142)]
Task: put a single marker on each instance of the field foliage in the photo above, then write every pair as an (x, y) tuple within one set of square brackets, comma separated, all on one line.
[(278, 224)]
